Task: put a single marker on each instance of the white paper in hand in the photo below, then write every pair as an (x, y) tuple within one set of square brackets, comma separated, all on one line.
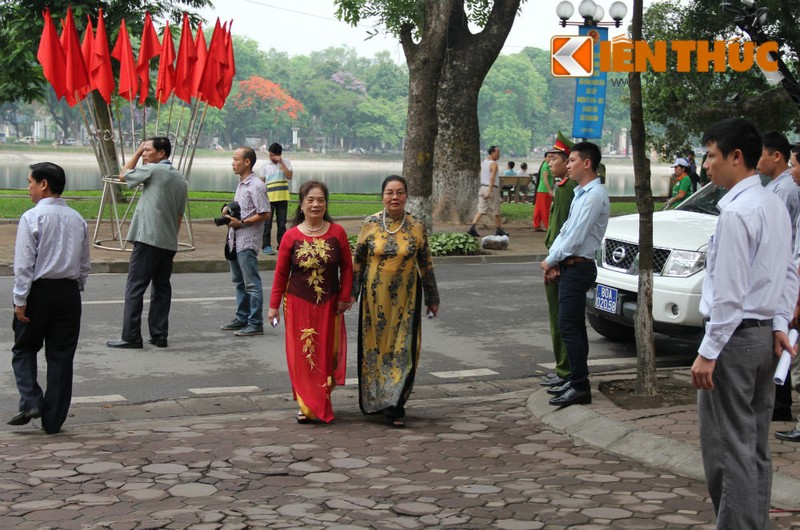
[(785, 361)]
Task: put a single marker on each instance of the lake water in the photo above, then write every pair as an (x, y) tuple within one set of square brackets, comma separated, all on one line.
[(341, 176)]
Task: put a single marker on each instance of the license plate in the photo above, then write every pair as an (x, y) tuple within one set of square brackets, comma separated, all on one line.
[(605, 299)]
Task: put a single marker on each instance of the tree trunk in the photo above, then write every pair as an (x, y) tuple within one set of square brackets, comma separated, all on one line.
[(457, 149), (646, 382), (424, 61)]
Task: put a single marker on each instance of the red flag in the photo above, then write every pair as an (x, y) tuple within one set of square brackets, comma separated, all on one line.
[(199, 65), (149, 48), (77, 75), (187, 57), (166, 67), (100, 64), (230, 65), (51, 56), (127, 65), (88, 43), (212, 73)]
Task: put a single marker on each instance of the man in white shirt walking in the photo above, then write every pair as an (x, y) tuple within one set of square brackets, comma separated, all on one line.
[(51, 264), (748, 299)]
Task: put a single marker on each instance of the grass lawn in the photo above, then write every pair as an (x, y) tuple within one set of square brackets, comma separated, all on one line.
[(206, 205)]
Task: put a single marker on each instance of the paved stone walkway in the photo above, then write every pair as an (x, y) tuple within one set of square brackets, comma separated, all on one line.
[(461, 463)]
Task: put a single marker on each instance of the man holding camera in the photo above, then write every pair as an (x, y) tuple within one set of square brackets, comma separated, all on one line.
[(244, 240), (154, 234)]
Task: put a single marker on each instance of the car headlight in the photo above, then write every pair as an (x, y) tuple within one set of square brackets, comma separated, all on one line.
[(684, 263)]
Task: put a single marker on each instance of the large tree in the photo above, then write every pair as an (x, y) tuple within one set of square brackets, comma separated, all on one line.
[(447, 64)]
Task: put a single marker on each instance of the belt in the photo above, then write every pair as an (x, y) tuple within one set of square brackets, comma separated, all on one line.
[(572, 260), (749, 323), (484, 185)]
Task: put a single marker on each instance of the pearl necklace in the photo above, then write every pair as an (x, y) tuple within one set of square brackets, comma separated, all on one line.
[(398, 228), (315, 229)]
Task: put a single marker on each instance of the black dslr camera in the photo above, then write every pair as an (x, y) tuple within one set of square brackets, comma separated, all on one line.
[(234, 210)]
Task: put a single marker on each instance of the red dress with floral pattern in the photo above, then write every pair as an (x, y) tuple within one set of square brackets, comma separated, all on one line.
[(312, 275)]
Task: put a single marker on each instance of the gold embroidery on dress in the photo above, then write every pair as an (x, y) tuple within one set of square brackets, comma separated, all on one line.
[(309, 347), (314, 255)]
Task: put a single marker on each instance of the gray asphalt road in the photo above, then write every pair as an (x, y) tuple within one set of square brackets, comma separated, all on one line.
[(492, 324)]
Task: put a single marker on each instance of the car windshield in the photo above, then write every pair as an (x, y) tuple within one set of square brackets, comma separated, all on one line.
[(705, 199)]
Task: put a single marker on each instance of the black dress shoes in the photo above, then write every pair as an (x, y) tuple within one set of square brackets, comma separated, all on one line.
[(558, 390), (24, 417), (128, 344), (572, 397), (789, 436), (158, 342), (552, 380)]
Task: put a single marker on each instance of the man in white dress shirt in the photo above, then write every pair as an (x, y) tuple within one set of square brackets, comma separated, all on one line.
[(51, 264), (748, 299)]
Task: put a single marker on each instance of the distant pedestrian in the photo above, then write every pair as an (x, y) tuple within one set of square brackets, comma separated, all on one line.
[(51, 264), (523, 182), (489, 193), (546, 188), (245, 231), (392, 271), (749, 294), (507, 189), (682, 188), (276, 172), (313, 283), (154, 234), (571, 261)]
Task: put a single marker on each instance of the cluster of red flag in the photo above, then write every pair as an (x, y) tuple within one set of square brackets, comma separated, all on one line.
[(74, 69)]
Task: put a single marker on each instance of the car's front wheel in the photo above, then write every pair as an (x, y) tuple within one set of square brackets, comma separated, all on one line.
[(610, 330)]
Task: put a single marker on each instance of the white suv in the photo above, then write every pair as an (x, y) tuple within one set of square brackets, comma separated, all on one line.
[(680, 238)]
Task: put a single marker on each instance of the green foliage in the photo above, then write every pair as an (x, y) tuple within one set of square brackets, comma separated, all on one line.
[(680, 105), (453, 244)]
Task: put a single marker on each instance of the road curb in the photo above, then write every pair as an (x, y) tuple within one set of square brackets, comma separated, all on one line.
[(624, 440)]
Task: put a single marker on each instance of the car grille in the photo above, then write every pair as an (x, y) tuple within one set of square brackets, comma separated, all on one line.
[(620, 255)]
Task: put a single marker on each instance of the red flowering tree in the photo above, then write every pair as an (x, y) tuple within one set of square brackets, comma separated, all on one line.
[(264, 109)]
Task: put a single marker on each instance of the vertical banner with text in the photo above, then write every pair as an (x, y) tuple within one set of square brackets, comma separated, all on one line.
[(590, 92)]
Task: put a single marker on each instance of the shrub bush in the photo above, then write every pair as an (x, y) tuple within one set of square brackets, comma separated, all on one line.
[(443, 244)]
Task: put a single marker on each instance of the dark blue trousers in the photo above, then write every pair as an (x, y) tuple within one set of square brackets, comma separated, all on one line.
[(573, 283)]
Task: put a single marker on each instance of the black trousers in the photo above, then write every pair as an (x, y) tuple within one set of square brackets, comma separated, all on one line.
[(54, 310), (151, 266), (279, 210)]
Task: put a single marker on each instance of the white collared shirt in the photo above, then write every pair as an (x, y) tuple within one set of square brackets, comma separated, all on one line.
[(52, 243), (750, 272)]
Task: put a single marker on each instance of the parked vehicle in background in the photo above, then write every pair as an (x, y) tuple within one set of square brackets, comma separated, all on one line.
[(30, 140), (70, 141), (680, 240)]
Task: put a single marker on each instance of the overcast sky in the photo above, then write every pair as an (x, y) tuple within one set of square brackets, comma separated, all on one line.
[(303, 26)]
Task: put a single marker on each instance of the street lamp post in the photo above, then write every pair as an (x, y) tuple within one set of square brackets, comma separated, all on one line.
[(751, 19), (590, 91), (591, 13)]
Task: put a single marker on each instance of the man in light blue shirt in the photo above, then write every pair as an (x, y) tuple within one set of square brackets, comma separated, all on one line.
[(51, 264), (571, 261), (748, 298)]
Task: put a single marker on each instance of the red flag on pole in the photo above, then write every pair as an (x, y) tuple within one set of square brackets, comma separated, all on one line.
[(199, 65), (149, 48), (77, 75), (88, 43), (127, 65), (100, 71), (230, 64), (212, 73), (166, 67), (51, 56), (187, 57)]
